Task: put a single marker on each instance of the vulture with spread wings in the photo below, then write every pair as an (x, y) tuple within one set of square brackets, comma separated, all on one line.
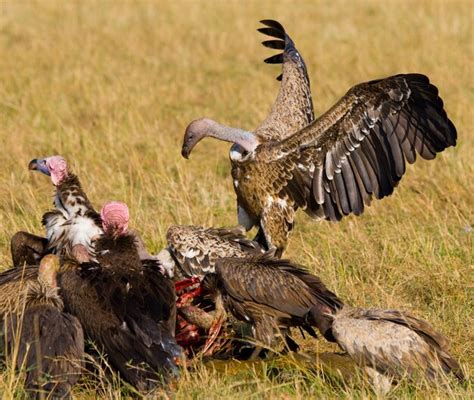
[(334, 165)]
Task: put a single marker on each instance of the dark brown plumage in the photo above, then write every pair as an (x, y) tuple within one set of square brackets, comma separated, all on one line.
[(50, 342), (272, 295), (335, 165), (390, 344), (126, 308), (27, 249)]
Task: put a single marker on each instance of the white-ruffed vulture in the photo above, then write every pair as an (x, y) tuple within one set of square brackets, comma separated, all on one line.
[(272, 295), (126, 307), (391, 344), (50, 342), (333, 166)]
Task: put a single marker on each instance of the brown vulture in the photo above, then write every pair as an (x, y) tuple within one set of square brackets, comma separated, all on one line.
[(50, 342), (390, 344), (272, 295), (125, 306), (333, 166), (192, 251)]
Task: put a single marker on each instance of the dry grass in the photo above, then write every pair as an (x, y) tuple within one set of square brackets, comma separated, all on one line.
[(112, 87)]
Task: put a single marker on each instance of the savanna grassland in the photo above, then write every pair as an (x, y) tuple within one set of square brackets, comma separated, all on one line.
[(112, 86)]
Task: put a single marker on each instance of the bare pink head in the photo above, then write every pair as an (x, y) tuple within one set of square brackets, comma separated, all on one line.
[(54, 166), (115, 217)]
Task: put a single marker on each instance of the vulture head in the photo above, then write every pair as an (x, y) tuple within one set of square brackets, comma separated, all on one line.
[(195, 131), (48, 269), (54, 166), (115, 217), (204, 127)]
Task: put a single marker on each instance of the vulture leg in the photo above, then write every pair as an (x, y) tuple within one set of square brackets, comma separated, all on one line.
[(276, 223), (27, 248), (219, 319), (256, 353)]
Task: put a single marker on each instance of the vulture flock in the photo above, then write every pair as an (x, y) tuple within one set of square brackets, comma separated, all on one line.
[(212, 291)]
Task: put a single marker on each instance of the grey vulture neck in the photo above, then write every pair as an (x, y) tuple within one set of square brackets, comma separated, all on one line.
[(247, 140)]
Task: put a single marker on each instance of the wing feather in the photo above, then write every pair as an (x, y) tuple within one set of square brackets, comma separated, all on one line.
[(293, 108), (365, 138)]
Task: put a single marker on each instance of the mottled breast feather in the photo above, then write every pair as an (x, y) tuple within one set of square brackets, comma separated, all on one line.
[(196, 249)]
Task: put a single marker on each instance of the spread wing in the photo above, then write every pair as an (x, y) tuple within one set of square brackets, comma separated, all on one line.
[(358, 148), (274, 283), (293, 107)]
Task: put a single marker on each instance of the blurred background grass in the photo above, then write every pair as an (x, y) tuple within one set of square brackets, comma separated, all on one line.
[(112, 86)]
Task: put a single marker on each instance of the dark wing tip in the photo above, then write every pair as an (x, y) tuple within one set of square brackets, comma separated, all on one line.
[(274, 44), (273, 24)]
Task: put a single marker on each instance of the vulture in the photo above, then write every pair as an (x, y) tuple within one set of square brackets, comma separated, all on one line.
[(272, 295), (334, 165), (70, 227), (50, 342), (125, 306), (192, 251), (390, 344)]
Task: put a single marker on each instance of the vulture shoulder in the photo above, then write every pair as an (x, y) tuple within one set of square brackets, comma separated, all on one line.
[(357, 149), (274, 283), (138, 293), (27, 249), (293, 107), (196, 249)]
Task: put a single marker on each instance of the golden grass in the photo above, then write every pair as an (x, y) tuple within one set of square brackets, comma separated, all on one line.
[(111, 86)]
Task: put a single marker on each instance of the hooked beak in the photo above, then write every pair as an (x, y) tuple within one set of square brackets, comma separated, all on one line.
[(39, 165), (185, 152)]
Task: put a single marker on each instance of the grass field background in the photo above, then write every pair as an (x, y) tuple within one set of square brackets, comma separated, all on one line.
[(112, 86)]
